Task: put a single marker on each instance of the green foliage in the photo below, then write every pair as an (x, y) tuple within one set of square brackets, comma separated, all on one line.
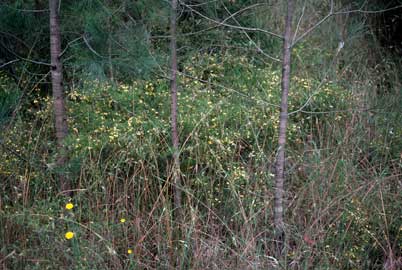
[(115, 42), (9, 97)]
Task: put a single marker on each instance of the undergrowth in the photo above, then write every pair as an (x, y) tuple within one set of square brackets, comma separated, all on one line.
[(343, 184)]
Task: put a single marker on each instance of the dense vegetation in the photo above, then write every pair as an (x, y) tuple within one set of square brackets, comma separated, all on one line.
[(344, 145)]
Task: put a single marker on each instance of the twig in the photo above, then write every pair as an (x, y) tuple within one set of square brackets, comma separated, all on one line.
[(332, 13), (10, 62), (251, 40), (26, 10), (222, 23), (7, 256), (90, 47)]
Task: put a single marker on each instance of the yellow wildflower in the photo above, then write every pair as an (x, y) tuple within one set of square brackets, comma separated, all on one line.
[(129, 251), (69, 235), (69, 206), (122, 220)]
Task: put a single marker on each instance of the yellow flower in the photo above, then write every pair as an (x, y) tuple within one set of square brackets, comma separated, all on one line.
[(69, 235), (129, 251), (122, 220), (69, 206)]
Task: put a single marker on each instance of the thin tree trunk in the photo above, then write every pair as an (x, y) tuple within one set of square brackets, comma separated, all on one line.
[(173, 88), (110, 51), (58, 94), (175, 134), (110, 60), (280, 162)]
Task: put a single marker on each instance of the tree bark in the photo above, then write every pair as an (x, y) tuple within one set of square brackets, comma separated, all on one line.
[(173, 87), (280, 162), (58, 94)]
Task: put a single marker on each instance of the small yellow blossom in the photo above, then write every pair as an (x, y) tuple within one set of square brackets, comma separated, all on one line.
[(129, 251), (69, 206), (69, 235), (122, 220)]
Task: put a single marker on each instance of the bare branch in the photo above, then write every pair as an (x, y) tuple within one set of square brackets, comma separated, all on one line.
[(367, 11), (223, 22), (69, 44), (90, 47), (10, 62), (26, 10), (252, 41), (332, 13), (299, 22), (203, 4)]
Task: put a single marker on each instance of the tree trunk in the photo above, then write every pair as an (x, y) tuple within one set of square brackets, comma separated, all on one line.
[(175, 135), (58, 94), (109, 48), (173, 87), (280, 162)]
